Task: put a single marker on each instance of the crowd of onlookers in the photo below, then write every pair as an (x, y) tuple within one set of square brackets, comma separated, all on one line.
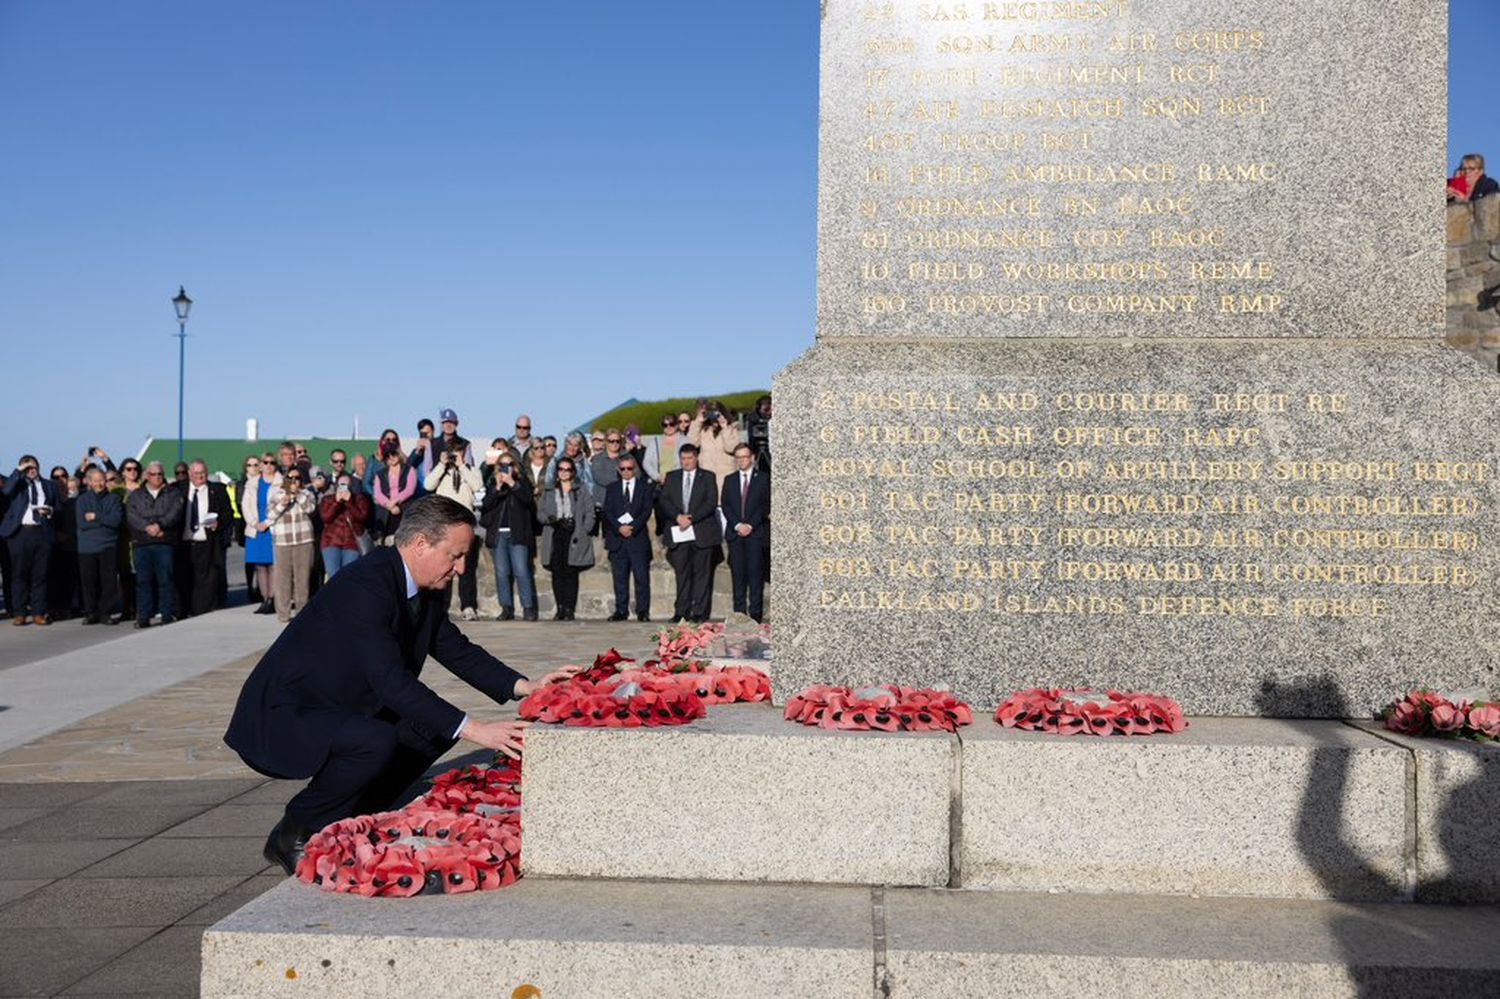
[(1469, 182), (114, 543)]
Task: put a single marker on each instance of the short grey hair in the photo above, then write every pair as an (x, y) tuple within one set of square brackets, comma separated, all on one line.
[(430, 517), (156, 465), (198, 463)]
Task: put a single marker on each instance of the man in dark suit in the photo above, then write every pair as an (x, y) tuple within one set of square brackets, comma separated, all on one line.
[(206, 521), (27, 530), (627, 507), (747, 510), (689, 501), (337, 697)]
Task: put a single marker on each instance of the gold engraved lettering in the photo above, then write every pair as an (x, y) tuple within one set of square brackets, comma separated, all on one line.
[(1219, 41), (1174, 239), (1231, 270), (1250, 304), (942, 12), (1238, 173)]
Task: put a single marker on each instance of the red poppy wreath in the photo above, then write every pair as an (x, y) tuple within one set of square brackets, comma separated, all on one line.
[(1455, 716), (1082, 711), (605, 696), (884, 708), (464, 835)]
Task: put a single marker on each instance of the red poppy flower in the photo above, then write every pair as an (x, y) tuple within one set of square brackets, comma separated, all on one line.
[(1447, 717), (1485, 719)]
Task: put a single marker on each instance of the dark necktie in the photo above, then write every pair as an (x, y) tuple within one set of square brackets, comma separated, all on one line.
[(414, 606), (36, 493), (628, 484), (687, 491), (193, 514), (744, 492)]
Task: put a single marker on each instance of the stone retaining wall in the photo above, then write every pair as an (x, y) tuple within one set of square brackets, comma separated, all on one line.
[(1474, 279)]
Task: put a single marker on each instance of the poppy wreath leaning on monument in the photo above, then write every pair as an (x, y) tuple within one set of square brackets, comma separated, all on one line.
[(882, 708), (651, 695), (1085, 712), (677, 645), (464, 835), (1424, 712)]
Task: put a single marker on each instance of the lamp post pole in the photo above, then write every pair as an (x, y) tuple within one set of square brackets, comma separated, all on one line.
[(182, 304)]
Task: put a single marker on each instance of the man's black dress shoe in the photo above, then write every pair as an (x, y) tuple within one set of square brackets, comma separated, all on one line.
[(618, 616), (643, 616), (285, 845)]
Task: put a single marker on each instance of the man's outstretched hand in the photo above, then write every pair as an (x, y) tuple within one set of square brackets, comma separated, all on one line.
[(524, 687), (503, 737)]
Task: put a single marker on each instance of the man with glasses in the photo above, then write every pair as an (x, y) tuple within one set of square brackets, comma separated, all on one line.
[(606, 464), (628, 503), (206, 522), (28, 532), (1470, 183), (154, 513), (523, 440)]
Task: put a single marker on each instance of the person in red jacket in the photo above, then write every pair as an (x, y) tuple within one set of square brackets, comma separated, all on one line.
[(344, 512)]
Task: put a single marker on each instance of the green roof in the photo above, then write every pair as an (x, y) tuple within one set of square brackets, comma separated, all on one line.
[(228, 455), (647, 415)]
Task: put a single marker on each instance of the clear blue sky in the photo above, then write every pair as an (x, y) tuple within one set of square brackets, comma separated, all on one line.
[(382, 208)]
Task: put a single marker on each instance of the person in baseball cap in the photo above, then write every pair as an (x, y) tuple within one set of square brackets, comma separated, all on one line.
[(449, 439)]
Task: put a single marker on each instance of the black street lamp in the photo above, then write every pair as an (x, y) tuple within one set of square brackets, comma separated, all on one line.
[(182, 304)]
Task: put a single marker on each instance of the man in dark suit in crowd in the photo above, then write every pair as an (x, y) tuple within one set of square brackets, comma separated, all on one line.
[(689, 501), (337, 697), (747, 510), (206, 521), (27, 530), (627, 538)]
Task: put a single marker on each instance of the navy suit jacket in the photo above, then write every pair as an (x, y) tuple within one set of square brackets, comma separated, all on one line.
[(16, 488), (643, 498), (703, 507), (355, 649), (757, 512)]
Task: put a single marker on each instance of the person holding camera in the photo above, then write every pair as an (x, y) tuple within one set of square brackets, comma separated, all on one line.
[(293, 541), (758, 434), (454, 478), (509, 518), (344, 512), (28, 532), (715, 434)]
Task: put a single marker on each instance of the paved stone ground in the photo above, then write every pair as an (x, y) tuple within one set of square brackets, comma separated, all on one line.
[(125, 834)]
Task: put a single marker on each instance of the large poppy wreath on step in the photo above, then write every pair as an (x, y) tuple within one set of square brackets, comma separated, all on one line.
[(1082, 711), (464, 835), (607, 696), (882, 708)]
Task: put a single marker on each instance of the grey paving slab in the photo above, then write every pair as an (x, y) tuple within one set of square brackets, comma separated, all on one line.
[(12, 889), (56, 858), (152, 902), (183, 857), (272, 792), (12, 817), (38, 961), (177, 792), (87, 821), (229, 820), (233, 900), (166, 964), (49, 694), (50, 795)]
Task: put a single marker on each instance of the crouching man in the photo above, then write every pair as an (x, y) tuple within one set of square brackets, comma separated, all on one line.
[(337, 698)]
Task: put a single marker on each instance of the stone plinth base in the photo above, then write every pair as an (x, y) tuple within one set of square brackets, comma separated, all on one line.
[(669, 939), (739, 796), (1232, 806), (1237, 806)]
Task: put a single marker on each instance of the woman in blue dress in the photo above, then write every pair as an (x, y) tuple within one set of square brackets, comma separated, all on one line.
[(259, 553)]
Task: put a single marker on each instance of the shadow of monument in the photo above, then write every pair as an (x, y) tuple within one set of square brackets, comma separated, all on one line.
[(1379, 938)]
